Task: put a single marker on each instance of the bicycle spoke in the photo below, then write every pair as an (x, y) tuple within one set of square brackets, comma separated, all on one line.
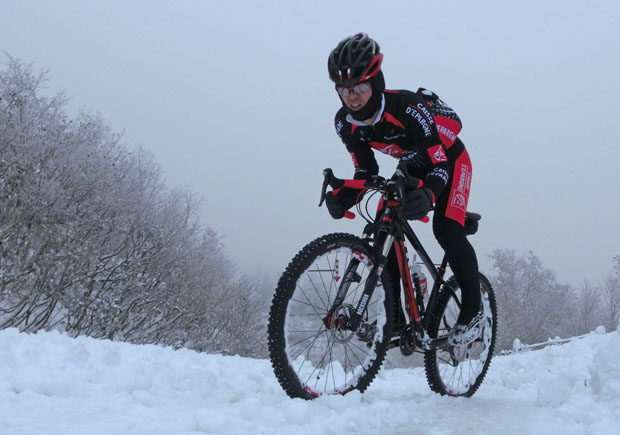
[(315, 336), (331, 281), (316, 309), (323, 355), (325, 304), (309, 347), (320, 365), (317, 292), (459, 371)]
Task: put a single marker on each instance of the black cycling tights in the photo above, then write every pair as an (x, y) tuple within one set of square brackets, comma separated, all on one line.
[(463, 262)]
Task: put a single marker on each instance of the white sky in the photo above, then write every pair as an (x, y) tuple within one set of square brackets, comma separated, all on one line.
[(234, 101)]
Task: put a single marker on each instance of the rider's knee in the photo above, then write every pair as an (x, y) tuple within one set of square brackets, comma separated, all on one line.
[(449, 233)]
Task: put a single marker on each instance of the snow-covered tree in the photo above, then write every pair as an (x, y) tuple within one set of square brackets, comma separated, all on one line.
[(610, 296), (532, 305), (93, 242), (587, 309)]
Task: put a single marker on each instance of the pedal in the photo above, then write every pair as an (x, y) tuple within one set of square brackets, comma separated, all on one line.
[(407, 341), (394, 343)]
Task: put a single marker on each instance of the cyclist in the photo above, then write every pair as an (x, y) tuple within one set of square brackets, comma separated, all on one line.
[(419, 129)]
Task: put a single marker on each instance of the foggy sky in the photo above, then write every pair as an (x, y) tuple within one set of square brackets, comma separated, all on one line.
[(234, 101)]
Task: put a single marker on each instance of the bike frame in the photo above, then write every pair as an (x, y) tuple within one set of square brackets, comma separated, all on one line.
[(396, 231), (414, 302), (389, 231)]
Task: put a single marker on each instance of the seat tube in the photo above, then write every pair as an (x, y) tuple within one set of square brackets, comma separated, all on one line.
[(411, 309)]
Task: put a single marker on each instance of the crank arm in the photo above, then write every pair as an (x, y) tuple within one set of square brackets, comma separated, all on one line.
[(435, 343)]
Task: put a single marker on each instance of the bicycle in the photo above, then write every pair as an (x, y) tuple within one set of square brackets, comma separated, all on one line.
[(331, 320)]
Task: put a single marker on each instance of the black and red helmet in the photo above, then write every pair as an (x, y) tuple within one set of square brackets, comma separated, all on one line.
[(355, 59)]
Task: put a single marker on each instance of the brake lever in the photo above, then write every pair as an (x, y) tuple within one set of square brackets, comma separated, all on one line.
[(336, 183), (406, 182), (329, 180), (411, 183), (400, 181), (328, 174)]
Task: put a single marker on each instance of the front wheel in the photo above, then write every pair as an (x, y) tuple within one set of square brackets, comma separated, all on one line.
[(312, 351), (459, 371)]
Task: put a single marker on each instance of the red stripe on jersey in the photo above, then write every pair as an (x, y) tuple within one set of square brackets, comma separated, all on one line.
[(392, 120), (389, 149), (354, 160)]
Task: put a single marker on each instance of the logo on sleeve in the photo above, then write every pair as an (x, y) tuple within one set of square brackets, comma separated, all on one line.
[(437, 154), (415, 114), (460, 194), (339, 126)]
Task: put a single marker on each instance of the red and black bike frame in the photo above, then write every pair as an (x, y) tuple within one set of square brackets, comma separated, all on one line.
[(387, 232)]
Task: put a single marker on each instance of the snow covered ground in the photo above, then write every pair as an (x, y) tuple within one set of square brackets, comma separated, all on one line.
[(52, 384)]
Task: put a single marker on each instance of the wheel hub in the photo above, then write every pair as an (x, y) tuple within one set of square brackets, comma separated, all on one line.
[(338, 324)]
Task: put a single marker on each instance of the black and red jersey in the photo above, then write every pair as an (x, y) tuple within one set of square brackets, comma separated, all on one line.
[(414, 127), (421, 130)]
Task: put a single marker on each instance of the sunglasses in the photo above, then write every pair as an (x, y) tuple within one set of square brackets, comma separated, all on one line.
[(343, 91)]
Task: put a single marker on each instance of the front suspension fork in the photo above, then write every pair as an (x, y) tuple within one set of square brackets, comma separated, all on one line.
[(374, 276), (349, 277)]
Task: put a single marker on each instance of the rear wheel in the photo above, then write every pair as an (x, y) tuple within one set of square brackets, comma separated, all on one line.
[(459, 371), (312, 353)]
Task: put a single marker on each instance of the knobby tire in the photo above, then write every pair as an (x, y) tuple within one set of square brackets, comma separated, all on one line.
[(459, 371), (309, 358)]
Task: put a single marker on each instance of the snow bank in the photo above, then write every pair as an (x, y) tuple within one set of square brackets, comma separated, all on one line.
[(51, 384)]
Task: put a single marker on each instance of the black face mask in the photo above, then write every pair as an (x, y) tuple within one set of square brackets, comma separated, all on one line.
[(374, 103)]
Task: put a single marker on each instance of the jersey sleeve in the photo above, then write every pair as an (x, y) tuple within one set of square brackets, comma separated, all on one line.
[(361, 153), (421, 126)]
